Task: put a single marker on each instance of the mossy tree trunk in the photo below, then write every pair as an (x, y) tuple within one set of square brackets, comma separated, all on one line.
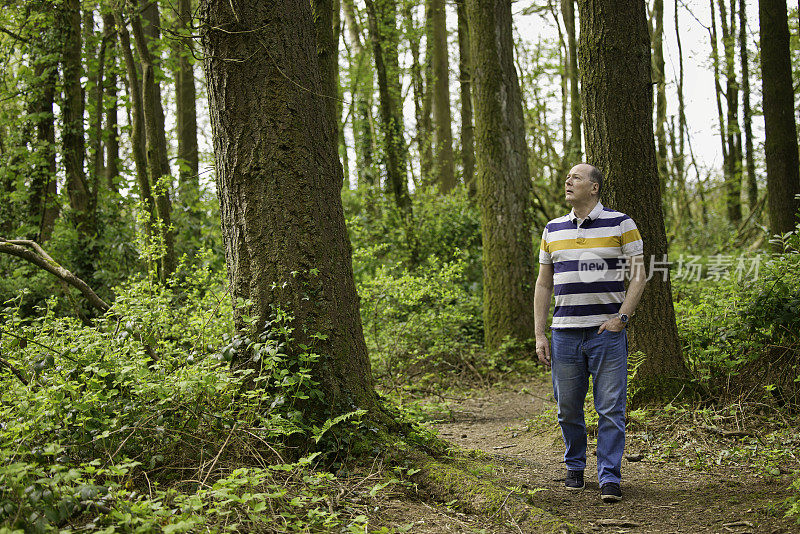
[(442, 119), (361, 90), (660, 82), (733, 138), (783, 176), (617, 96), (504, 185), (574, 151), (111, 135), (186, 116), (465, 82), (747, 112), (279, 187)]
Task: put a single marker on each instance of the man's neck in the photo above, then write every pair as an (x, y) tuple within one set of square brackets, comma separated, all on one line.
[(583, 210)]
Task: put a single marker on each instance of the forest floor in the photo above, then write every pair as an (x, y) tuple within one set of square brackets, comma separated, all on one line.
[(679, 476)]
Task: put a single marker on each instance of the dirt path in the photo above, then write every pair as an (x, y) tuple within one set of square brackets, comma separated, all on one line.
[(660, 496)]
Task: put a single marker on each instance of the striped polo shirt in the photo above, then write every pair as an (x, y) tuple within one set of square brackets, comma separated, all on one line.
[(588, 263)]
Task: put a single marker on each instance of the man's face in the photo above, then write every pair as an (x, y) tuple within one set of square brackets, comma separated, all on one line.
[(578, 188)]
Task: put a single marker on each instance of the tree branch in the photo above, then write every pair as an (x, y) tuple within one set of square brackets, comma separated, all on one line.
[(40, 258), (14, 370)]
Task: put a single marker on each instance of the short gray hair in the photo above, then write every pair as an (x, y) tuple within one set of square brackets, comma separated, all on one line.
[(596, 176)]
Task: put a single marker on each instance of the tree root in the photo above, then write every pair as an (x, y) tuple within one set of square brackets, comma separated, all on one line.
[(472, 485)]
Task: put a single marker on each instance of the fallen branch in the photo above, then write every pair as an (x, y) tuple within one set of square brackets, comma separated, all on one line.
[(14, 370), (40, 258), (728, 433)]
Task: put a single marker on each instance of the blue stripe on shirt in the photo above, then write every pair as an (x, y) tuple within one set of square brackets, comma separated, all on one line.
[(574, 265), (573, 288), (580, 310)]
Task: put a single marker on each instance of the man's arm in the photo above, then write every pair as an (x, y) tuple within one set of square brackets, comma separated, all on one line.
[(632, 296), (541, 306)]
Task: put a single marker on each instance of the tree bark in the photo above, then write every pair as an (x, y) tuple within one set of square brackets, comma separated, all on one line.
[(81, 198), (111, 131), (465, 80), (279, 188), (442, 119), (573, 152), (733, 182), (617, 96), (186, 113), (660, 82), (43, 203), (747, 112), (137, 134), (504, 185), (679, 147), (783, 176), (328, 54), (362, 80), (155, 141), (413, 36)]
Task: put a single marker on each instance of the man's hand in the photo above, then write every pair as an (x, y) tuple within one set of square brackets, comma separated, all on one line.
[(543, 350), (612, 325)]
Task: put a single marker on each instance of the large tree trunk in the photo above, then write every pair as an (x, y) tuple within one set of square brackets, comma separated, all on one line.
[(465, 80), (747, 113), (504, 185), (186, 113), (783, 177), (618, 102), (155, 137), (283, 225), (573, 151), (442, 119)]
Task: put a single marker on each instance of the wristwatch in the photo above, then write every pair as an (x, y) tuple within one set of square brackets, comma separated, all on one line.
[(624, 317)]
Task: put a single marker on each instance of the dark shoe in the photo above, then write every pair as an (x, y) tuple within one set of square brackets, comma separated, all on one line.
[(610, 492), (574, 480)]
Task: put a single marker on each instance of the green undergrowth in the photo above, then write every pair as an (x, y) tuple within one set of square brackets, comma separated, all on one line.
[(138, 424)]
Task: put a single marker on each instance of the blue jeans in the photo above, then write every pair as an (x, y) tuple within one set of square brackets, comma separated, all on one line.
[(577, 353)]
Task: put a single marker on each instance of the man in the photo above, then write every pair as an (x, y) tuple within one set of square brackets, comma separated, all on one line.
[(583, 256)]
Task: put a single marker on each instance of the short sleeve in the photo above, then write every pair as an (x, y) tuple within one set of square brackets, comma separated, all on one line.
[(544, 249), (632, 244)]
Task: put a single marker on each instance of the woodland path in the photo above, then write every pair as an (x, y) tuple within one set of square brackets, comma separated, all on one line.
[(513, 425)]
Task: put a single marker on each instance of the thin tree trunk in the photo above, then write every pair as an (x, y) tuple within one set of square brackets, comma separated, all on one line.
[(783, 176), (718, 91), (328, 54), (660, 82), (413, 36), (155, 138), (73, 145), (733, 187), (426, 155), (136, 121), (111, 132), (186, 113), (504, 184), (465, 79), (747, 112), (283, 225), (442, 132), (574, 151), (361, 76), (382, 16), (43, 203), (617, 96), (679, 156)]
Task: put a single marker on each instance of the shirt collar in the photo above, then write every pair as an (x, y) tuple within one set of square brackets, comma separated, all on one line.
[(594, 214)]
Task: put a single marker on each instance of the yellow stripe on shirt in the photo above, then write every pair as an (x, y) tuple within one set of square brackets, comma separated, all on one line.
[(630, 236), (591, 242)]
